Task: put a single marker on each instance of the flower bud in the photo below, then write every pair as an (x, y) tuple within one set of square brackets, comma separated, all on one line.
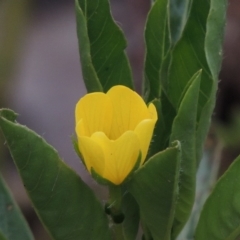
[(113, 130)]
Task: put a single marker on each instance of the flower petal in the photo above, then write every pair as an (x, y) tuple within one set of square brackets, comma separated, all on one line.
[(96, 111), (128, 110), (152, 112), (120, 155), (80, 128), (144, 131), (92, 153)]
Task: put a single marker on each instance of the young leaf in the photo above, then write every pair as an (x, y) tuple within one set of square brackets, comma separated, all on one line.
[(154, 186), (157, 44), (184, 130), (220, 217), (101, 45), (12, 223), (64, 203)]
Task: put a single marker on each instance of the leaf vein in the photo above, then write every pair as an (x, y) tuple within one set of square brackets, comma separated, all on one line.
[(38, 181), (100, 33), (93, 11)]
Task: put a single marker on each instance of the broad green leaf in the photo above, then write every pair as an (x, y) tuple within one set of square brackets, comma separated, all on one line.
[(184, 130), (2, 237), (154, 186), (12, 223), (101, 45), (64, 203), (157, 44), (131, 212), (220, 217)]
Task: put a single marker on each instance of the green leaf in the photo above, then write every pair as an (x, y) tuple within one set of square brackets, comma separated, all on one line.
[(179, 13), (154, 186), (101, 45), (184, 130), (64, 203), (90, 77), (213, 50), (131, 211), (214, 35), (220, 217), (188, 57), (162, 130), (204, 123), (8, 114), (157, 45), (190, 53), (2, 237), (12, 223)]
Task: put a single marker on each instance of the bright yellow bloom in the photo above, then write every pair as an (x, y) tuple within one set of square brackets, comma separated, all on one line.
[(112, 130)]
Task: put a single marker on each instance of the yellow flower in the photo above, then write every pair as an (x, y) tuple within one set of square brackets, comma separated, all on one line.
[(112, 130)]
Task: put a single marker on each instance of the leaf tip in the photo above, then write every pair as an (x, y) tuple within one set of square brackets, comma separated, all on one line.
[(8, 114)]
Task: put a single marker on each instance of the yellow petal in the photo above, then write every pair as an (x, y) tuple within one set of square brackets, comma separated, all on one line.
[(92, 153), (96, 111), (144, 131), (152, 112), (120, 155), (128, 110), (80, 128)]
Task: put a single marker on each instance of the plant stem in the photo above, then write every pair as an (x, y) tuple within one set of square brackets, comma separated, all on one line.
[(115, 203), (115, 198), (118, 232)]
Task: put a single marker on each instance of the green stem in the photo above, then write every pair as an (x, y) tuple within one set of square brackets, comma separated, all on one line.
[(115, 198), (115, 204), (118, 232)]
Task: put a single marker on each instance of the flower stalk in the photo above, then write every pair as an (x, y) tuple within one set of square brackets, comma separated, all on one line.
[(115, 199), (115, 208)]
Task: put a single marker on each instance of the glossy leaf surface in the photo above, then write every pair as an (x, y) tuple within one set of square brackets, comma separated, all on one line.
[(64, 203)]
